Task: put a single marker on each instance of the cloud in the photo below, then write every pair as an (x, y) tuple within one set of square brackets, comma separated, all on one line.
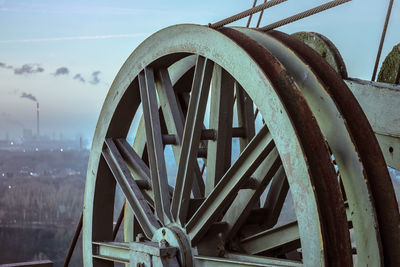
[(90, 37), (29, 96), (28, 69), (61, 71), (79, 77), (95, 77), (5, 66)]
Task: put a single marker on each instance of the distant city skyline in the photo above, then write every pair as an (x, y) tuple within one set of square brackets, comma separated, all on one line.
[(65, 54)]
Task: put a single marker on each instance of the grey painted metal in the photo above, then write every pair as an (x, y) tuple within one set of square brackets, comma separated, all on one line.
[(236, 260), (275, 198), (342, 145), (114, 251), (263, 260), (143, 252), (139, 170), (380, 101), (245, 113), (175, 237), (189, 38), (155, 149), (174, 122), (245, 200), (271, 239), (191, 138), (131, 191), (136, 253), (221, 115), (226, 190)]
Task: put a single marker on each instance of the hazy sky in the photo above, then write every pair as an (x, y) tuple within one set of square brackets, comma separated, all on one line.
[(66, 53)]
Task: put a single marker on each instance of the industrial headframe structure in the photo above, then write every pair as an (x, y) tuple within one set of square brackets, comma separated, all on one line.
[(253, 117)]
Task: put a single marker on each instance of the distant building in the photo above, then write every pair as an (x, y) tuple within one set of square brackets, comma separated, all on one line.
[(27, 135)]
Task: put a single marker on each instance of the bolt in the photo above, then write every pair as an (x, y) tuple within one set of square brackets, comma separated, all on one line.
[(163, 243), (140, 237)]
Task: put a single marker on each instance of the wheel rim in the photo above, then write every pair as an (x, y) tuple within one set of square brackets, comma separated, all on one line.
[(340, 140), (122, 102), (370, 153)]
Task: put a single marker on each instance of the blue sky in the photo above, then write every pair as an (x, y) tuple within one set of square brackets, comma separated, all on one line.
[(93, 39)]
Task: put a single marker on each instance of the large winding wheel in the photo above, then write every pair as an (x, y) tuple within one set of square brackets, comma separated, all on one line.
[(253, 119)]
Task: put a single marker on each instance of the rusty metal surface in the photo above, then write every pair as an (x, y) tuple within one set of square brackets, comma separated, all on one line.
[(332, 125), (325, 48), (120, 106), (370, 153), (334, 222)]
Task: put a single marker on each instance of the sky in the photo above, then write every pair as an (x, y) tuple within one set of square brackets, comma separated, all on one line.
[(65, 54)]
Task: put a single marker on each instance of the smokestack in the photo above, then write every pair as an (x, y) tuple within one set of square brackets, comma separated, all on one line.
[(37, 119)]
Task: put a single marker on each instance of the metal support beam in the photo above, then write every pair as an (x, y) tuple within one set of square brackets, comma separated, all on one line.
[(380, 101)]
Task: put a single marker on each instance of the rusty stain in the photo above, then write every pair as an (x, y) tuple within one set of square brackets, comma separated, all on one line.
[(333, 220), (370, 153)]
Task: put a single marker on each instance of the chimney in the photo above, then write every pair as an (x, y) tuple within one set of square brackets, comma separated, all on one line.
[(37, 119)]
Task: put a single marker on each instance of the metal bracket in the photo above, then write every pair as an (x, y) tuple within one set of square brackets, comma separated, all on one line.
[(137, 254)]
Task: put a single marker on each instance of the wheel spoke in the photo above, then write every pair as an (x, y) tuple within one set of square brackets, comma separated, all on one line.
[(155, 149), (130, 189), (139, 170), (275, 198), (247, 199), (245, 115), (227, 188), (191, 138), (272, 239), (240, 260), (221, 115), (174, 121)]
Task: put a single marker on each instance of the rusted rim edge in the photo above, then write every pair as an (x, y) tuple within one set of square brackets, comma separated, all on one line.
[(365, 140), (336, 54), (331, 208)]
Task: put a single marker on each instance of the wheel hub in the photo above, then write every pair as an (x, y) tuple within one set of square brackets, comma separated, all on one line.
[(175, 237)]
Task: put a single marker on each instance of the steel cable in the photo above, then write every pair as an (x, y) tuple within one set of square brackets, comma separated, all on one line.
[(378, 56), (245, 13), (304, 14), (251, 16), (260, 17)]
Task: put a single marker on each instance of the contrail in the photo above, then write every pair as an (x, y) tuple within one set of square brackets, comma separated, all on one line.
[(93, 37)]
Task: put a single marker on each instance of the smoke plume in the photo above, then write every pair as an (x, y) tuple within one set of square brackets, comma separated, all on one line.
[(95, 77), (5, 66), (28, 69), (61, 71), (29, 96), (79, 78)]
